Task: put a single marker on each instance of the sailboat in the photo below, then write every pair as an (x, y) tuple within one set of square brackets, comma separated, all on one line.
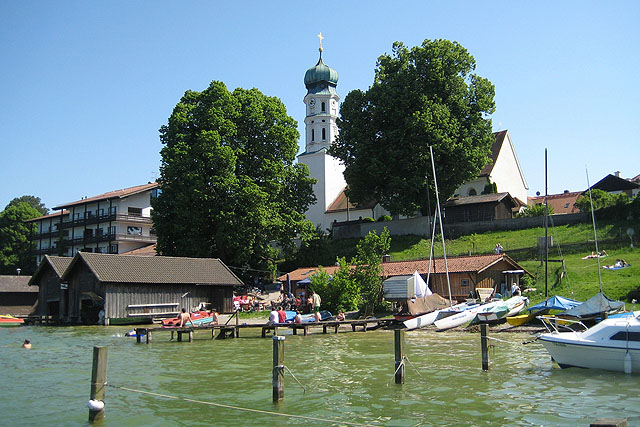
[(430, 318)]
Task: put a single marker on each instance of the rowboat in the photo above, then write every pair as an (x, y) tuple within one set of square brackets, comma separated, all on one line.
[(198, 318), (7, 320)]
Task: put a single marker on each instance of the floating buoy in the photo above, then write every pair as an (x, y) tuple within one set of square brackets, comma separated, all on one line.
[(95, 405)]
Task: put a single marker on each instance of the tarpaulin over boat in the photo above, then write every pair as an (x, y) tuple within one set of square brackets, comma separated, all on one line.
[(555, 303), (594, 306), (424, 305)]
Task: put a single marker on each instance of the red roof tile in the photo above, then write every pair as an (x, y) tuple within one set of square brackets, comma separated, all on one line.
[(116, 194)]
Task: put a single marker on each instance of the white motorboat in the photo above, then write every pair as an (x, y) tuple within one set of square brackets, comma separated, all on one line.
[(613, 344)]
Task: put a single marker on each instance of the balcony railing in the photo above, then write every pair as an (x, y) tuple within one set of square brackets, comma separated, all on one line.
[(95, 219), (118, 237)]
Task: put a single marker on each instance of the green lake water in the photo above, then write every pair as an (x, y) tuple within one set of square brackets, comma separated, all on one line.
[(348, 377)]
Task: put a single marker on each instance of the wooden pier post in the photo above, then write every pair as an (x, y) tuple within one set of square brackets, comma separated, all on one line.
[(278, 368), (399, 347), (237, 331), (98, 383), (485, 346)]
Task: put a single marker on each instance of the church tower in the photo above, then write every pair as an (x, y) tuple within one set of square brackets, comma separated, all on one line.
[(321, 130)]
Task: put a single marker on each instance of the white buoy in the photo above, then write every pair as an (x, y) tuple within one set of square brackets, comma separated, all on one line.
[(627, 363), (95, 405)]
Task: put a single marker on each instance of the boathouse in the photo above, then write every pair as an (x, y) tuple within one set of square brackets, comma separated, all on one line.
[(16, 297), (128, 289), (466, 273), (52, 294)]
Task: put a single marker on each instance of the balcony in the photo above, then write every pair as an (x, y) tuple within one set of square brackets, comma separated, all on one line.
[(96, 219), (119, 237)]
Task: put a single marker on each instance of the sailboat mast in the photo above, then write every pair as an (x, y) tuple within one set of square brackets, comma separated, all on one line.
[(595, 233), (546, 228), (435, 182)]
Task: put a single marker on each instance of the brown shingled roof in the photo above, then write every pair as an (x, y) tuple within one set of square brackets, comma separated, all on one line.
[(495, 150), (149, 250), (159, 269), (116, 194), (15, 284), (58, 263), (461, 264), (340, 204)]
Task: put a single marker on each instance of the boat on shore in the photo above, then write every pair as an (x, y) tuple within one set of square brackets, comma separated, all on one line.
[(613, 344), (7, 320)]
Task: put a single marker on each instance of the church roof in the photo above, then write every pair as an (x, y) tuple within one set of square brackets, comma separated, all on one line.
[(321, 78), (341, 203), (495, 150)]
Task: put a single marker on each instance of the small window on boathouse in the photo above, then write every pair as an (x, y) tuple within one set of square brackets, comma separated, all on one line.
[(464, 282)]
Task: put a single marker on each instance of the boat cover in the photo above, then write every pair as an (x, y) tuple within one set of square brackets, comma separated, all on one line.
[(416, 306), (555, 303), (595, 305)]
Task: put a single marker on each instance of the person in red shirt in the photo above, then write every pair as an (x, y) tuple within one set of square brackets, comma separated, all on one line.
[(282, 316)]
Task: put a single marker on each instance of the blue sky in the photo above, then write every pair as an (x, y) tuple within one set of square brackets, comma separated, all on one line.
[(85, 86)]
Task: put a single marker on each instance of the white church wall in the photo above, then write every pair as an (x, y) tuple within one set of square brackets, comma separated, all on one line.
[(506, 172)]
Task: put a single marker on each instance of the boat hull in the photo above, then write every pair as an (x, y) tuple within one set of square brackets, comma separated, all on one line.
[(583, 355), (7, 321)]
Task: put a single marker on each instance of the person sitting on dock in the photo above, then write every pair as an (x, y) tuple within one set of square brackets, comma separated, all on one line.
[(340, 317), (184, 318), (215, 316), (297, 318), (282, 315), (273, 316)]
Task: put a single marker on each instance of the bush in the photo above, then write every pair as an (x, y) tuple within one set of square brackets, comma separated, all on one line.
[(385, 218), (367, 219)]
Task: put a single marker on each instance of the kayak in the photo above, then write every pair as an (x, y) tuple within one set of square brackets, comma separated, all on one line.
[(308, 318), (7, 320)]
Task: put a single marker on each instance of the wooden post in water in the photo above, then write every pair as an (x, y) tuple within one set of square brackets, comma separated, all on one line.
[(98, 383), (237, 331), (485, 346), (399, 347), (278, 368)]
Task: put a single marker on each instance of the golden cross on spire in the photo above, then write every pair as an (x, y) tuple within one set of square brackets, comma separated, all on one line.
[(321, 38)]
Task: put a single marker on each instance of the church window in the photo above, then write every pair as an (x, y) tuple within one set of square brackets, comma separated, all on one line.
[(313, 135), (324, 134), (323, 107), (472, 192)]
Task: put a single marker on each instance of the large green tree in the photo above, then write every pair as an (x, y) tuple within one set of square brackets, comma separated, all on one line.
[(228, 179), (423, 96), (34, 201), (15, 246)]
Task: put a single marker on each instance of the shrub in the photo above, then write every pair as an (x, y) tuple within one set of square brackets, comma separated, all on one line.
[(367, 219), (385, 218)]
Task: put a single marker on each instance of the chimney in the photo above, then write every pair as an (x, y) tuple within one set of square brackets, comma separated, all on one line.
[(386, 258), (617, 173)]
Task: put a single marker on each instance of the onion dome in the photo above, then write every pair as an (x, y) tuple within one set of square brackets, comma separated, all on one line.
[(321, 78)]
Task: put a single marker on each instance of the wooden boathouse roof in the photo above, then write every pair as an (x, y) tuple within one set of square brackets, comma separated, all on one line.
[(114, 268), (57, 263)]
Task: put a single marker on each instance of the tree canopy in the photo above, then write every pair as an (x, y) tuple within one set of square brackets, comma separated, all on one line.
[(15, 246), (601, 200), (423, 96), (34, 201), (228, 179)]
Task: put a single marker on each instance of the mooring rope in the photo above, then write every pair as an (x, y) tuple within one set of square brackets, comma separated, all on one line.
[(238, 408), (304, 390)]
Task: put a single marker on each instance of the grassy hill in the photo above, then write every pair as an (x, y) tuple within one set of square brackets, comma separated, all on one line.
[(570, 243)]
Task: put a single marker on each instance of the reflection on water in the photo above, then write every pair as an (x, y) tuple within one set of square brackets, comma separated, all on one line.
[(346, 377)]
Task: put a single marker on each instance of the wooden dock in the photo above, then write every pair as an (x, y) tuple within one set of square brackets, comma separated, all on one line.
[(233, 331)]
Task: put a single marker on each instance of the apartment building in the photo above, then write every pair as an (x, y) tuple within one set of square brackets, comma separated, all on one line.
[(114, 222)]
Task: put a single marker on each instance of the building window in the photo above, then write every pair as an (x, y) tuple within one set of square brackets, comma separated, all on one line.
[(112, 230), (155, 193), (566, 205), (464, 282), (113, 249), (313, 135), (323, 107), (134, 231), (135, 211), (113, 210), (324, 134), (100, 212), (88, 214)]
